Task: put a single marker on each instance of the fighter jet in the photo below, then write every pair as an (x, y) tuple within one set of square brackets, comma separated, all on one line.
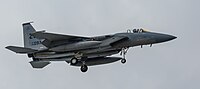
[(44, 47)]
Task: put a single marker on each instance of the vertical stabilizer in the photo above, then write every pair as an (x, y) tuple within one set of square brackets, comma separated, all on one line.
[(29, 40)]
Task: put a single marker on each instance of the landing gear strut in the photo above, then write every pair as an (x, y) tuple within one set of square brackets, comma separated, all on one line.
[(123, 53), (79, 58)]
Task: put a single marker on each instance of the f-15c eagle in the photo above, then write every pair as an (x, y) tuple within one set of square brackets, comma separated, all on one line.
[(44, 47)]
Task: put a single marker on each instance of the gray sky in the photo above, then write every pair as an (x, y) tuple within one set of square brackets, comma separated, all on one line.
[(170, 65)]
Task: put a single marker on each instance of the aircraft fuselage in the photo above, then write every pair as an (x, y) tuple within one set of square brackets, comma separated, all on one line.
[(94, 49)]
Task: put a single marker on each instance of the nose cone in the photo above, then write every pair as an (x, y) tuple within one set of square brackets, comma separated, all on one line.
[(172, 37), (167, 37), (163, 37)]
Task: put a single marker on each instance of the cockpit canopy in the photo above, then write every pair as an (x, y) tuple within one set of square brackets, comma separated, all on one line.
[(136, 30)]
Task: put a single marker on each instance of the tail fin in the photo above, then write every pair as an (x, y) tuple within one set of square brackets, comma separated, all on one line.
[(30, 41)]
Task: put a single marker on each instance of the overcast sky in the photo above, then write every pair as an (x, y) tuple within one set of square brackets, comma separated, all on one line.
[(171, 65)]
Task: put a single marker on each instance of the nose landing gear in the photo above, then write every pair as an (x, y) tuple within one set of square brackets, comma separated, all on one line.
[(123, 53)]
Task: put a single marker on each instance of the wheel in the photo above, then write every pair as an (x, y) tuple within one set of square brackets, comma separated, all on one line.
[(74, 61), (84, 68), (123, 61)]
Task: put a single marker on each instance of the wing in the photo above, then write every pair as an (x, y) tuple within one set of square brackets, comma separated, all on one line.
[(52, 39)]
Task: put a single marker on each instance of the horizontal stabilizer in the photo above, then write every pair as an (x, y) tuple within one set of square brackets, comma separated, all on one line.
[(39, 64), (21, 49)]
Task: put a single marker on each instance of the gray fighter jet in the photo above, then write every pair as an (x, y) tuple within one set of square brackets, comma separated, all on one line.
[(44, 47)]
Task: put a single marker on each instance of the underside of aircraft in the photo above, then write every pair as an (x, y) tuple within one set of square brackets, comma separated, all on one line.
[(44, 47)]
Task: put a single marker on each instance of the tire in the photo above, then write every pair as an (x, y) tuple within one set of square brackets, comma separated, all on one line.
[(123, 61), (84, 68), (74, 61)]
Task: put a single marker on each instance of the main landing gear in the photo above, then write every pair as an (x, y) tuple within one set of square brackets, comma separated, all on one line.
[(75, 60), (84, 68), (123, 53)]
